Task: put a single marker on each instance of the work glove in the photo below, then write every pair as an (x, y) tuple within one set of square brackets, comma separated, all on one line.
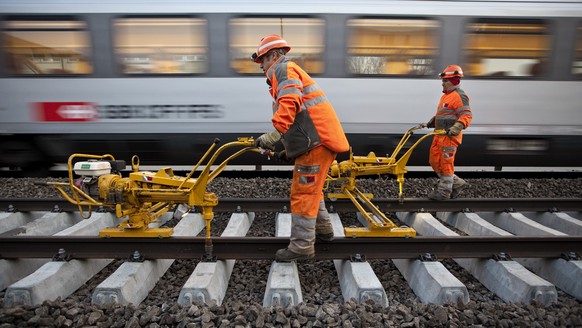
[(282, 156), (430, 123), (268, 140), (455, 129)]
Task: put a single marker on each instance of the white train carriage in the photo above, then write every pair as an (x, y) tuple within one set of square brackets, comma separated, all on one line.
[(162, 79)]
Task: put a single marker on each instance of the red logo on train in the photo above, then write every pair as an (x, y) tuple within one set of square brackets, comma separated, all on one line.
[(66, 111)]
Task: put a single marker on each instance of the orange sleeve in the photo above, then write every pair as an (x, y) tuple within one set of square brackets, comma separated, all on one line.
[(288, 99), (464, 114)]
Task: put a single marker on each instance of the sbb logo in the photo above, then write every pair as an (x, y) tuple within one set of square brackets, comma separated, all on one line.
[(66, 111)]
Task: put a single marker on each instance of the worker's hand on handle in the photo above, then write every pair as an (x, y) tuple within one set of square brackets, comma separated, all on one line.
[(282, 156), (430, 123), (268, 140), (455, 129)]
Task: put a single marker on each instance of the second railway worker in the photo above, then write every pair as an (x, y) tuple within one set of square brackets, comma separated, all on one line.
[(310, 130), (453, 115)]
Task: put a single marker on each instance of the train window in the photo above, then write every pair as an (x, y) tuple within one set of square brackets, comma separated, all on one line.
[(392, 46), (42, 47), (506, 48), (305, 36), (577, 67), (176, 45)]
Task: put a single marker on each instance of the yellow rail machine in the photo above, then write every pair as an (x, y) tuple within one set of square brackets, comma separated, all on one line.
[(143, 196), (347, 173)]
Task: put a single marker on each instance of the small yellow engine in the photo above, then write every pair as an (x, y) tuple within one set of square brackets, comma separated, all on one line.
[(143, 196)]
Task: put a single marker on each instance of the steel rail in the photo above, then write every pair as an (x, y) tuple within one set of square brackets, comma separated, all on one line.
[(264, 248), (341, 205)]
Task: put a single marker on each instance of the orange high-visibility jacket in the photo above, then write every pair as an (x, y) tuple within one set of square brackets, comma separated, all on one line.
[(293, 90), (453, 107)]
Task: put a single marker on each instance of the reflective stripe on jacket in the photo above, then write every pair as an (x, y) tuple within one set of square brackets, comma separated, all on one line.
[(293, 90), (453, 106)]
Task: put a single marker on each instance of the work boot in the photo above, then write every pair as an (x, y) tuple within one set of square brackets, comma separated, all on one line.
[(439, 195), (323, 226), (301, 244), (444, 188), (287, 255), (458, 186), (325, 237)]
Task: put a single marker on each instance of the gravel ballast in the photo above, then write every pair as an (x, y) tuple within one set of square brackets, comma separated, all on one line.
[(323, 304)]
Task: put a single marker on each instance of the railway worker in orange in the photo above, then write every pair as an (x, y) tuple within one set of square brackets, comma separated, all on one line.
[(453, 115), (306, 123)]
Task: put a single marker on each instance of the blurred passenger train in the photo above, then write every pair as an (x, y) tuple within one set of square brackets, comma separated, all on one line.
[(163, 79)]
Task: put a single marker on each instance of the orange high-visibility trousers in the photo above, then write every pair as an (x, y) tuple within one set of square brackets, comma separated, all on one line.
[(309, 175), (442, 154)]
